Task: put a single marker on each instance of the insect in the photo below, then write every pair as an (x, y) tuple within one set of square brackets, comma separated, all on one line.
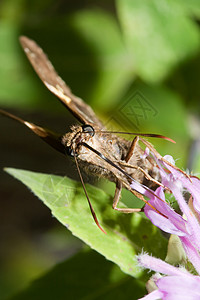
[(95, 150)]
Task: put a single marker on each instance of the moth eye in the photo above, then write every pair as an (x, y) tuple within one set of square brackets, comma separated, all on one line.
[(69, 151), (89, 129)]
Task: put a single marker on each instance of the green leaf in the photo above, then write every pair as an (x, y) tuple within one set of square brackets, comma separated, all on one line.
[(159, 35), (126, 235), (95, 277)]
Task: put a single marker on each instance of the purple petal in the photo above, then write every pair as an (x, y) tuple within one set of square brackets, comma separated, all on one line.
[(142, 189), (194, 189), (146, 153), (158, 265), (192, 223), (192, 253), (153, 296), (138, 187), (173, 223), (192, 185), (162, 222), (178, 179), (180, 287)]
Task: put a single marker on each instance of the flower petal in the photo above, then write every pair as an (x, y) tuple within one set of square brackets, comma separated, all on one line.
[(160, 221), (194, 189), (192, 223), (180, 287), (153, 296), (192, 253), (169, 221), (158, 265)]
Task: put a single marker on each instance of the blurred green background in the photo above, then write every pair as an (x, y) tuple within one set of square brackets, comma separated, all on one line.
[(137, 63)]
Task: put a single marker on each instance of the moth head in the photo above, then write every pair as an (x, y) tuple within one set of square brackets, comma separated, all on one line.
[(78, 135)]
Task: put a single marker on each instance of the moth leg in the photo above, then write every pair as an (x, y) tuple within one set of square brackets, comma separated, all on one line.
[(137, 194), (119, 187), (132, 148), (119, 184), (116, 200), (147, 176)]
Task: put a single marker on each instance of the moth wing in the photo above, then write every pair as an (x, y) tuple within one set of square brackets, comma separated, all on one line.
[(56, 85), (50, 137)]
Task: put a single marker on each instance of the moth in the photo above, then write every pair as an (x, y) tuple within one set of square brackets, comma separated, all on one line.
[(95, 150)]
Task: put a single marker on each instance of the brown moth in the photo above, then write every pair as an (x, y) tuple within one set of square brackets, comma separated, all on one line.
[(95, 150)]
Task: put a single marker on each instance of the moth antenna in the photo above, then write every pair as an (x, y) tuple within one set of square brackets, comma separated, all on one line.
[(50, 137), (153, 135), (86, 194)]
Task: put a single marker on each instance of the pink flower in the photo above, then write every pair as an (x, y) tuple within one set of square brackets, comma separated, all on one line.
[(179, 283)]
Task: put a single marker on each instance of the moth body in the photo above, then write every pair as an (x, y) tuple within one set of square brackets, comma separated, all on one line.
[(113, 148)]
